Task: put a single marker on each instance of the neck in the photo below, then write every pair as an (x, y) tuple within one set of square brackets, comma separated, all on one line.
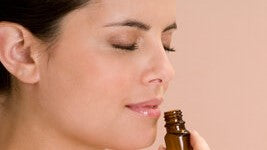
[(23, 128)]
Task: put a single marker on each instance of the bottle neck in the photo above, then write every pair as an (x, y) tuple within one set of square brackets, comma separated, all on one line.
[(175, 128), (174, 122)]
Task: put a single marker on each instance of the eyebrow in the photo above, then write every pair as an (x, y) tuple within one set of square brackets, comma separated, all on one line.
[(139, 25)]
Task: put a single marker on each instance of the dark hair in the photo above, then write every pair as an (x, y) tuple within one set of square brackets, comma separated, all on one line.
[(40, 17)]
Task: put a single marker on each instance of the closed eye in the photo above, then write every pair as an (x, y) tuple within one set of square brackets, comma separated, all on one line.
[(169, 49), (134, 46), (130, 47)]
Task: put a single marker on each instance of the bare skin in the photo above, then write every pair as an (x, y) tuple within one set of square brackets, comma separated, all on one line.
[(74, 94)]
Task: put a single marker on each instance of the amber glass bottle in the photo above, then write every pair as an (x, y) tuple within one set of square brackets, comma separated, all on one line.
[(177, 137)]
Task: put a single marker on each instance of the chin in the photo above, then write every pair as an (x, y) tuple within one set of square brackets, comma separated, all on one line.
[(138, 141)]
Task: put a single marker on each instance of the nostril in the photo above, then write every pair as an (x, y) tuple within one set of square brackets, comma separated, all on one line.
[(156, 81)]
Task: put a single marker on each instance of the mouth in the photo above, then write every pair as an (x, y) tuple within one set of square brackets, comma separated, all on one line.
[(148, 108)]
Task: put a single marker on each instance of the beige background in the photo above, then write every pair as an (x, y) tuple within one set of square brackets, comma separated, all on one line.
[(221, 72)]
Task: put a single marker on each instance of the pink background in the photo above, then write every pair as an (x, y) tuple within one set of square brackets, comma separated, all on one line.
[(221, 72)]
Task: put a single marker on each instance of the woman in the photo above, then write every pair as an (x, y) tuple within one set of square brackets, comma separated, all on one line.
[(84, 74)]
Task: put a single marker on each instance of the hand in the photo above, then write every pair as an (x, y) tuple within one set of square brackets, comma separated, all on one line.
[(198, 142)]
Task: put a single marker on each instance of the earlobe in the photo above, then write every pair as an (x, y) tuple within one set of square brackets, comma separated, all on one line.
[(16, 53)]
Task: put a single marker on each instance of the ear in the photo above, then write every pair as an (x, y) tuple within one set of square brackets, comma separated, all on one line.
[(17, 52)]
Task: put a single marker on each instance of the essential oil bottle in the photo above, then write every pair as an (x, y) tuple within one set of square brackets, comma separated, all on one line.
[(177, 137)]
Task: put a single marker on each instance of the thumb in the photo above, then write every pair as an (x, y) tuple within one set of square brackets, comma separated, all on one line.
[(198, 142)]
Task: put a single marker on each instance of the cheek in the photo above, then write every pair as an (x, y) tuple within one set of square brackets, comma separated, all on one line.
[(84, 94)]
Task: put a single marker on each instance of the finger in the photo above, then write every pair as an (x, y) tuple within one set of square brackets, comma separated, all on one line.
[(161, 147), (198, 142)]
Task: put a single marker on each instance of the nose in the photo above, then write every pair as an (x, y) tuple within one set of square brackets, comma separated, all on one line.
[(160, 70)]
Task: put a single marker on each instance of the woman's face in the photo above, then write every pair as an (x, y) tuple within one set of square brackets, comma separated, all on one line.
[(87, 84)]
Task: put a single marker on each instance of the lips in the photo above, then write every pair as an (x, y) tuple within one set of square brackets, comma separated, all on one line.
[(148, 108)]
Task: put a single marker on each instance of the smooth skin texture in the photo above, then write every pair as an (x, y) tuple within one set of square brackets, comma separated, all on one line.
[(71, 94)]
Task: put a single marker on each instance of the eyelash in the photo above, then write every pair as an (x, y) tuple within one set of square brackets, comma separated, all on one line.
[(135, 46)]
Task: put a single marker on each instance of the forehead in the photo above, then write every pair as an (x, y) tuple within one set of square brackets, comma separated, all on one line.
[(154, 12)]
